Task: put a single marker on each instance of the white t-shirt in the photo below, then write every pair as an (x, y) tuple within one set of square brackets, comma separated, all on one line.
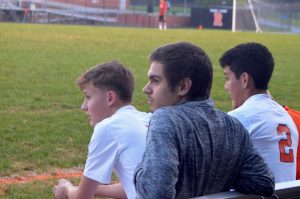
[(273, 133), (118, 144)]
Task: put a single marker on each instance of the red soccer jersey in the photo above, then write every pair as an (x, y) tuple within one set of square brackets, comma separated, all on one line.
[(163, 7)]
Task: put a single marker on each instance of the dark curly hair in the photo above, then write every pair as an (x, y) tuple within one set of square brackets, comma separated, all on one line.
[(252, 58)]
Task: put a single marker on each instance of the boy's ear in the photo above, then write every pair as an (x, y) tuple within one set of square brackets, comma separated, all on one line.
[(245, 80), (184, 86), (111, 97)]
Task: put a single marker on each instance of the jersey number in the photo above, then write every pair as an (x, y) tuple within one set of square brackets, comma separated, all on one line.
[(285, 157)]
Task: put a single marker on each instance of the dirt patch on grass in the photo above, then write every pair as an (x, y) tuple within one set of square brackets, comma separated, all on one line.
[(31, 177)]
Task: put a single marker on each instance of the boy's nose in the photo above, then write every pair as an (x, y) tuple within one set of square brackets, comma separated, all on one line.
[(146, 88), (226, 86), (83, 106)]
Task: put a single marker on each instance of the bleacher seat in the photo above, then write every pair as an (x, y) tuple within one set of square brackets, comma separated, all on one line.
[(284, 190)]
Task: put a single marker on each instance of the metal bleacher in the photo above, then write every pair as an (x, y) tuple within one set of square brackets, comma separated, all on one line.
[(79, 11), (8, 4), (284, 190), (63, 9)]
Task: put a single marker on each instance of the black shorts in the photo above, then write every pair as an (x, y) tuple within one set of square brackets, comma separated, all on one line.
[(161, 18)]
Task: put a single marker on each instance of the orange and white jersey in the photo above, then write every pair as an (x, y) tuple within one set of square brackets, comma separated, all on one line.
[(273, 133), (295, 115)]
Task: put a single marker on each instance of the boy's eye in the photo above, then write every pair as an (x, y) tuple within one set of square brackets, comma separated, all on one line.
[(154, 80)]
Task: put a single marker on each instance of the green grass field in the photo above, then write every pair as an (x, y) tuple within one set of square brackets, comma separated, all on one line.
[(41, 125)]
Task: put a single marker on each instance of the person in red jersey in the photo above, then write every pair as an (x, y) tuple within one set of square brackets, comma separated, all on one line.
[(163, 9)]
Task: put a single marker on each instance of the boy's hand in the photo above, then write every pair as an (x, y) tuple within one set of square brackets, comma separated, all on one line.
[(61, 189)]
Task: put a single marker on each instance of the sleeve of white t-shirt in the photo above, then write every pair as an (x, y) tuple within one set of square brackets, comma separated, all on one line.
[(102, 155)]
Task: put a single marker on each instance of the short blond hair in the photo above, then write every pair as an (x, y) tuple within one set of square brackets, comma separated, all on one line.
[(112, 76)]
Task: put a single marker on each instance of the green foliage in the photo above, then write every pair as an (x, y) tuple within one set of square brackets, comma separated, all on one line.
[(41, 125)]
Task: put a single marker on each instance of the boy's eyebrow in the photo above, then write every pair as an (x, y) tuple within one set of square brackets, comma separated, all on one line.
[(153, 76)]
